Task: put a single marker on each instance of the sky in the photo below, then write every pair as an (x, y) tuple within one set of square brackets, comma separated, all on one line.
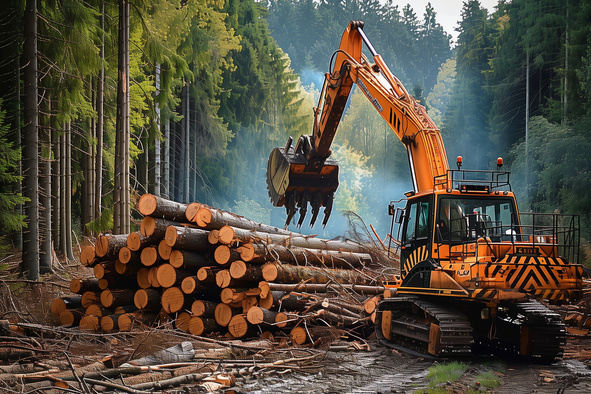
[(448, 11)]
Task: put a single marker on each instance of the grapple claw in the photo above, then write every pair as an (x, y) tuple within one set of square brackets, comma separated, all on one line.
[(316, 203), (327, 208), (303, 204), (290, 206)]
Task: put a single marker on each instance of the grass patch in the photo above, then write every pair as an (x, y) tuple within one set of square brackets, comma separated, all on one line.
[(488, 379), (443, 373)]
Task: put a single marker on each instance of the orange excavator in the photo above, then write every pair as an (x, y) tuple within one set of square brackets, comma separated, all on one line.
[(475, 275)]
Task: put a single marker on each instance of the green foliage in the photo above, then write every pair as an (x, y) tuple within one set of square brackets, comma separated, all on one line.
[(10, 219), (446, 372)]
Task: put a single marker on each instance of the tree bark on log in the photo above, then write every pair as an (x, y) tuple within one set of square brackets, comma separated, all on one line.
[(207, 275), (189, 260), (127, 256), (301, 335), (202, 325), (228, 234), (258, 315), (161, 208), (147, 299), (245, 272), (326, 287), (61, 304), (214, 219), (187, 238), (155, 228), (285, 273), (79, 286), (258, 253), (107, 246), (112, 298), (203, 308)]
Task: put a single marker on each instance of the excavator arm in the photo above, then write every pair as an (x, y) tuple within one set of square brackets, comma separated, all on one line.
[(305, 173)]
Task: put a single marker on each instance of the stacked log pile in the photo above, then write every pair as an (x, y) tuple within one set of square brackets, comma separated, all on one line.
[(211, 271)]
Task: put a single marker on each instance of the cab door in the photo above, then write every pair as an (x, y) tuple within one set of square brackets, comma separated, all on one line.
[(417, 233)]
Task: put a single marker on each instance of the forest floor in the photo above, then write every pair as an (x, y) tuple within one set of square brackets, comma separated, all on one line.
[(259, 366)]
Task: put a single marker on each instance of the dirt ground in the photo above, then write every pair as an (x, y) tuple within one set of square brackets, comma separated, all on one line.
[(340, 370)]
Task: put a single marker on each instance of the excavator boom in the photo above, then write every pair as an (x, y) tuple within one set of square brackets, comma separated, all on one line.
[(304, 174)]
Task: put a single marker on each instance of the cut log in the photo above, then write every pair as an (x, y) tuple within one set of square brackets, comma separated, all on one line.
[(300, 335), (97, 310), (285, 273), (192, 210), (281, 320), (161, 208), (150, 256), (105, 270), (187, 238), (88, 256), (61, 304), (89, 323), (188, 260), (223, 279), (249, 302), (230, 295), (203, 308), (147, 299), (326, 287), (90, 297), (240, 270), (155, 228), (212, 218), (341, 320), (202, 325), (109, 322), (223, 314), (224, 255), (265, 288), (296, 301), (331, 306), (258, 253), (212, 237), (128, 320), (129, 269), (164, 250), (182, 321), (112, 298), (228, 234), (207, 275), (153, 277), (273, 299), (239, 327), (258, 315), (191, 285), (137, 241), (371, 304), (168, 276), (142, 277), (173, 300), (79, 286), (128, 256), (71, 317), (108, 246)]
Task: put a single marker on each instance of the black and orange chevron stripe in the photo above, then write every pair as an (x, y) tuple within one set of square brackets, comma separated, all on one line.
[(417, 255)]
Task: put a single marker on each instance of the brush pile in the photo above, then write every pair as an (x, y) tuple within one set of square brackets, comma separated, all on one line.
[(210, 272)]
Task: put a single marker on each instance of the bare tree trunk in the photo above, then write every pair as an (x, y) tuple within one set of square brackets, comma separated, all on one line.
[(157, 134), (68, 191), (30, 158), (56, 188), (187, 147), (165, 189), (100, 123), (121, 213), (45, 192)]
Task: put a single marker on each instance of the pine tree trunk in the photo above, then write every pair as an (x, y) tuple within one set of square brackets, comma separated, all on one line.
[(45, 193), (30, 156), (121, 215), (100, 124), (68, 191), (165, 189), (157, 134)]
